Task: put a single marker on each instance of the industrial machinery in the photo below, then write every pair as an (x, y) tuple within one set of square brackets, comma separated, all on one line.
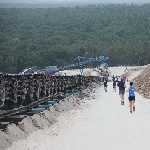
[(78, 63), (31, 91)]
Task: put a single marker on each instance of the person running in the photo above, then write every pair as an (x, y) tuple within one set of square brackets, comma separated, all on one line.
[(131, 97), (105, 84), (113, 78), (124, 79), (118, 78), (114, 83), (122, 86), (114, 86)]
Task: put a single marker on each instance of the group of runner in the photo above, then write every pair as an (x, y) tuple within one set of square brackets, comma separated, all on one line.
[(120, 83)]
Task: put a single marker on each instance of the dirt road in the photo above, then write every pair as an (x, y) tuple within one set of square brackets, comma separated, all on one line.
[(106, 125)]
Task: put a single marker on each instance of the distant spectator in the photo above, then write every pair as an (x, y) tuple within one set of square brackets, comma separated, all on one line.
[(126, 70)]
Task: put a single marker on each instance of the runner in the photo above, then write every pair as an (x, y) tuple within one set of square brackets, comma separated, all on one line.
[(131, 97), (114, 86), (124, 79), (118, 78), (105, 85), (113, 78), (122, 86), (114, 83)]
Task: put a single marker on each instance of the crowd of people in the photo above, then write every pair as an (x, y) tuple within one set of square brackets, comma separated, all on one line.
[(118, 81)]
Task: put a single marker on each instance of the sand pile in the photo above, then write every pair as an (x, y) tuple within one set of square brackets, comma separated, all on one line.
[(142, 82), (15, 134), (5, 140), (140, 75), (26, 125)]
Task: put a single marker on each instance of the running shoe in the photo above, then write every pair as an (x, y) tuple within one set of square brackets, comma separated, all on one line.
[(133, 108), (122, 102), (130, 111)]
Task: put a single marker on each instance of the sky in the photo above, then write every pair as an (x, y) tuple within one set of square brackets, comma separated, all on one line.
[(74, 1)]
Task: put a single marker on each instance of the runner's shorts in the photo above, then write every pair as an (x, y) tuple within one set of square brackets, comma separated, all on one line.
[(105, 85), (121, 92), (131, 98)]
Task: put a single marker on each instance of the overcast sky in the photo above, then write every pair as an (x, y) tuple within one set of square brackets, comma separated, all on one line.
[(74, 1)]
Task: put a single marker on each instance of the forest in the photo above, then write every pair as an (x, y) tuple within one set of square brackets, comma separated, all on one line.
[(55, 36)]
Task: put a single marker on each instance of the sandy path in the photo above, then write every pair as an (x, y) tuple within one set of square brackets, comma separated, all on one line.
[(105, 125), (101, 124)]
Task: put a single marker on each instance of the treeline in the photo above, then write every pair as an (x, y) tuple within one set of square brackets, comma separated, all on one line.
[(40, 5), (55, 36)]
